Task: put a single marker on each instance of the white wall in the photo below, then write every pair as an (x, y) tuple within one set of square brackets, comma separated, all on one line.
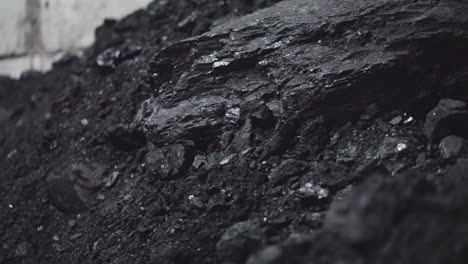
[(12, 17), (62, 25)]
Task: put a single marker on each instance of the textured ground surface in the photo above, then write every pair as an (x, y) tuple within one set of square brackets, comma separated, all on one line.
[(194, 132)]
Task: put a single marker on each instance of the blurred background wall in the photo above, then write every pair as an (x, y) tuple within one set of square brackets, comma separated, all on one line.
[(34, 33)]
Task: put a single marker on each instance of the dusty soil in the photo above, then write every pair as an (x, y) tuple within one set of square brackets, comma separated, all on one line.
[(241, 131)]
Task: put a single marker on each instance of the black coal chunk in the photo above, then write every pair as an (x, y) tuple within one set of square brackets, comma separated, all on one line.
[(72, 190), (108, 58), (287, 169), (312, 192), (451, 146), (263, 116), (447, 118), (242, 138), (195, 119), (280, 140), (171, 161), (64, 195)]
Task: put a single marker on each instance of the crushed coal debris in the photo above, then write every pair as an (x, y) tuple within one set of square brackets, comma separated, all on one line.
[(259, 132)]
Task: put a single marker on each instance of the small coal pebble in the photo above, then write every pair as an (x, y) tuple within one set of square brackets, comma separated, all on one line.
[(130, 51), (232, 114), (169, 162), (451, 146), (408, 120), (76, 236), (22, 249), (313, 220), (400, 147), (72, 223), (391, 146), (84, 122), (311, 191), (108, 58), (196, 201), (199, 161), (396, 121), (110, 181), (227, 159), (11, 154)]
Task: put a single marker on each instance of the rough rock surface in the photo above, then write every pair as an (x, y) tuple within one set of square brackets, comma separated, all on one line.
[(451, 146), (233, 132), (448, 117), (169, 162)]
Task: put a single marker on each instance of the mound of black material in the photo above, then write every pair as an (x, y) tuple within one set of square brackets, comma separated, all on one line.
[(317, 131)]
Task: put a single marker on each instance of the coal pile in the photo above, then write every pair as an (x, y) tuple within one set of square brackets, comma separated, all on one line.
[(259, 132)]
